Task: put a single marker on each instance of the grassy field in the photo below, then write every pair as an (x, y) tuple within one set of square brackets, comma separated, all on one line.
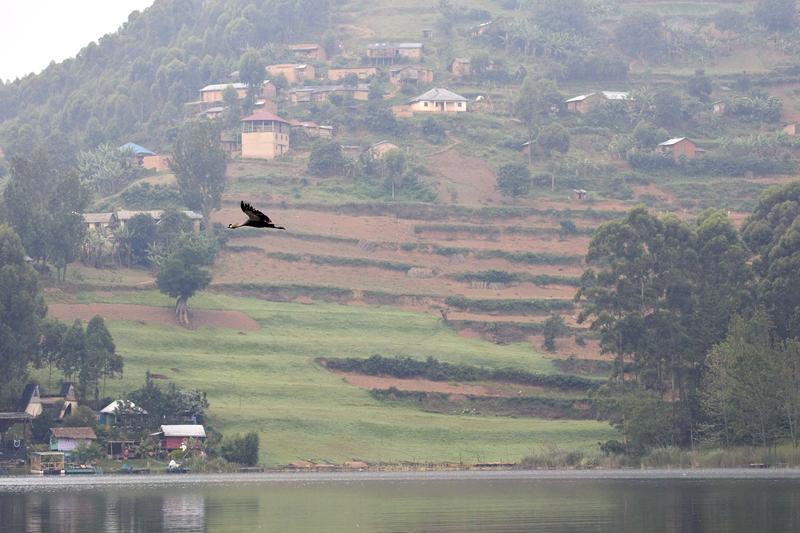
[(267, 380)]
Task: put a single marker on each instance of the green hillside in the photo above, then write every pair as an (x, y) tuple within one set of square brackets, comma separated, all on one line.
[(467, 244)]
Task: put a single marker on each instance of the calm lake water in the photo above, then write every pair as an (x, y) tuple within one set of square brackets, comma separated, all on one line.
[(727, 502)]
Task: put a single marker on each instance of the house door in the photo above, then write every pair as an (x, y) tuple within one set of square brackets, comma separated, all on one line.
[(439, 106)]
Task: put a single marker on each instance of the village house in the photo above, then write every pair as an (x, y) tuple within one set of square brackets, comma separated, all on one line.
[(119, 413), (461, 67), (135, 152), (295, 74), (173, 437), (311, 129), (100, 221), (718, 107), (410, 74), (680, 147), (319, 93), (58, 405), (264, 136), (381, 148), (67, 439), (389, 53), (308, 51), (790, 129), (145, 158), (584, 102), (438, 100), (362, 73), (109, 221), (216, 92)]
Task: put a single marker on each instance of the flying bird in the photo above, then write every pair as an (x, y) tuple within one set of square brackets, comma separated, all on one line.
[(255, 219)]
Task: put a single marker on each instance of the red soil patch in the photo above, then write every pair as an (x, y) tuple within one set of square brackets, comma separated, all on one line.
[(502, 390), (153, 315), (463, 179)]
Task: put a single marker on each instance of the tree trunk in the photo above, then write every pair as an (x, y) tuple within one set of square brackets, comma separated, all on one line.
[(182, 311)]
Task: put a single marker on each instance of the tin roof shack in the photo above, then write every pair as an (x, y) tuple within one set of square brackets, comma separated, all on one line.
[(390, 53), (67, 439), (319, 93), (410, 74), (308, 51), (137, 153), (680, 147), (174, 437), (295, 74), (584, 102), (362, 73), (121, 413), (57, 405), (99, 221), (124, 215), (47, 463)]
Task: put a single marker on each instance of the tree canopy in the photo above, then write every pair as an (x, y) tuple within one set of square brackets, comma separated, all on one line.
[(199, 163)]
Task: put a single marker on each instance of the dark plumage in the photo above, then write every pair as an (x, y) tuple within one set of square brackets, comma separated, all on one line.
[(255, 219)]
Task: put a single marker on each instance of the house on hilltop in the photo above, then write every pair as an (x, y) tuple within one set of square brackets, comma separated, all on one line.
[(362, 73), (319, 93), (295, 73), (680, 147), (381, 148), (390, 53), (265, 135), (57, 405), (410, 74), (308, 51), (211, 94), (110, 221), (584, 102), (67, 439), (790, 129), (311, 129)]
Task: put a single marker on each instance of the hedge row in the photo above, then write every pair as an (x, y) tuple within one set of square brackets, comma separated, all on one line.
[(433, 369), (509, 306)]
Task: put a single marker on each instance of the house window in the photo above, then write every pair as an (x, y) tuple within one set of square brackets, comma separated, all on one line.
[(461, 104), (425, 104)]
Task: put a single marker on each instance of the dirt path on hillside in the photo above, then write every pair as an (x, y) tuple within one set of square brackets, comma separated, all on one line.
[(153, 315), (494, 389), (463, 179)]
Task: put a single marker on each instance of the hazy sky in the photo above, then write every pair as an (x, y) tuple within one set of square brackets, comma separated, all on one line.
[(34, 32)]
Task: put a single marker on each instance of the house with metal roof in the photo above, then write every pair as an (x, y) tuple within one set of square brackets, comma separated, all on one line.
[(67, 439), (438, 100), (173, 437), (389, 53), (680, 147), (583, 102)]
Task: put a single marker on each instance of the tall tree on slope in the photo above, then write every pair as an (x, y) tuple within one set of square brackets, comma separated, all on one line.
[(199, 163)]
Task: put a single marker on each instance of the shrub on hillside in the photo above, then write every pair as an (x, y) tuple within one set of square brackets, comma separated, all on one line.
[(241, 449)]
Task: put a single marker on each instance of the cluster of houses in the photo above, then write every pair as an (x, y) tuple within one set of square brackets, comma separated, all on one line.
[(265, 135), (109, 221), (64, 440)]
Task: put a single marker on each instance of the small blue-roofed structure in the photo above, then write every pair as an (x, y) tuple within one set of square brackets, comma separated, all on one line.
[(135, 149)]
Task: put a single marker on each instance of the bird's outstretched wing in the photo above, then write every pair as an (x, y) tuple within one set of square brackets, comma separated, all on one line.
[(254, 214)]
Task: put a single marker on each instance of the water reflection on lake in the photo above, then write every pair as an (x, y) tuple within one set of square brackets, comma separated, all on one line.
[(430, 505)]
